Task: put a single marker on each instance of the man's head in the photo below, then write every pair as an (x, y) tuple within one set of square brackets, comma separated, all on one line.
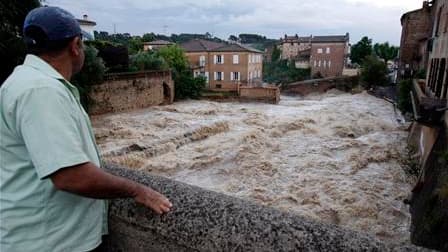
[(52, 32)]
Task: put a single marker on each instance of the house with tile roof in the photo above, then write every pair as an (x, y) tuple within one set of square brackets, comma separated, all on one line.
[(325, 55), (155, 45), (226, 66)]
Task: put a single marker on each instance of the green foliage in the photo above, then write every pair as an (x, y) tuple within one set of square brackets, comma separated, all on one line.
[(148, 37), (251, 38), (361, 50), (148, 60), (385, 51), (283, 71), (275, 54), (186, 86), (91, 73), (374, 72), (115, 55), (135, 45), (404, 97), (12, 48)]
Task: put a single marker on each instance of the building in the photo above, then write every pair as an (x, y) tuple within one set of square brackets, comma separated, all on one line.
[(425, 47), (87, 26), (325, 55), (155, 45), (225, 66), (416, 32)]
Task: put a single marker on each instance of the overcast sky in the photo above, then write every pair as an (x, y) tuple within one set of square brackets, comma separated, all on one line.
[(378, 19)]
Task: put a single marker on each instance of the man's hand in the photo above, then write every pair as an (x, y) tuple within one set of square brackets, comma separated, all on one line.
[(152, 199), (90, 181)]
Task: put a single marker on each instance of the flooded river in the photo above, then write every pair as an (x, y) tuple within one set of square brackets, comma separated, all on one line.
[(334, 157)]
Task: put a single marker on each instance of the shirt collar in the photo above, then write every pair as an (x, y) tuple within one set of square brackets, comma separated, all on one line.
[(42, 66)]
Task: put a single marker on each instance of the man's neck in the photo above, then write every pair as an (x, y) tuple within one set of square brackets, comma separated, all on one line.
[(60, 64)]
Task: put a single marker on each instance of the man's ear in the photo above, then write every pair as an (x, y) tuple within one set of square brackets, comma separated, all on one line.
[(76, 46)]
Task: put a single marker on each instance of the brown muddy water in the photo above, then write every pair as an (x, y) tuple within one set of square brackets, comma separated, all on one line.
[(334, 157)]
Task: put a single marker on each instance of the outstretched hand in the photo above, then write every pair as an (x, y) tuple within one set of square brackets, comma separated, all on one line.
[(153, 199)]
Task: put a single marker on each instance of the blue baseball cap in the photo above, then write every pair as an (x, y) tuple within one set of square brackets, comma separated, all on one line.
[(55, 23)]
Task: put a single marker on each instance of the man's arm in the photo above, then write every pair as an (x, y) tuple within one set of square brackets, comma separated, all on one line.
[(90, 181)]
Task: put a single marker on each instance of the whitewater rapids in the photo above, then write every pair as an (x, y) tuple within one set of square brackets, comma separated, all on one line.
[(336, 157)]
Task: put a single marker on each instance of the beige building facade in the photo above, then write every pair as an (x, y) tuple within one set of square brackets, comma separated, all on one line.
[(325, 55), (225, 66)]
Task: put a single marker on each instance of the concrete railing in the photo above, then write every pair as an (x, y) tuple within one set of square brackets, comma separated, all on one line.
[(203, 220)]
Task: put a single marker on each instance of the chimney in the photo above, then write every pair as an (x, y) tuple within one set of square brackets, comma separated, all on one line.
[(85, 17)]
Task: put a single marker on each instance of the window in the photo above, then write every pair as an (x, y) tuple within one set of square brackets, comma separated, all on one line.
[(320, 50), (236, 59), (329, 63), (202, 60), (207, 77), (219, 76), (235, 76), (219, 59), (250, 76), (325, 63), (315, 63), (319, 63), (328, 50)]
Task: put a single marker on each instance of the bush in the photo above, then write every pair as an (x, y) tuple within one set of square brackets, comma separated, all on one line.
[(115, 56), (374, 72), (186, 86), (147, 61), (91, 73), (421, 74), (404, 97)]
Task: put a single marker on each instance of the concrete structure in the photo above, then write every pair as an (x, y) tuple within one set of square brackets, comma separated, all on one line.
[(325, 55), (87, 26), (155, 45), (225, 66), (415, 39), (429, 134), (260, 94), (128, 91), (307, 87), (203, 220)]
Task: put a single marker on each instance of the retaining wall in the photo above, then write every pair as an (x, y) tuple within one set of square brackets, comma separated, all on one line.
[(128, 91), (345, 83), (203, 220), (263, 94)]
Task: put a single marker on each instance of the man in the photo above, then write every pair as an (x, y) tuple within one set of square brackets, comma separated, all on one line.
[(51, 186)]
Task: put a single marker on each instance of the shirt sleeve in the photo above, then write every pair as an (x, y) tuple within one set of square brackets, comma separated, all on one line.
[(50, 130)]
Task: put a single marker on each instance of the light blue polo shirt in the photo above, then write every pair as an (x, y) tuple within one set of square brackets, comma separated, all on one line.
[(43, 129)]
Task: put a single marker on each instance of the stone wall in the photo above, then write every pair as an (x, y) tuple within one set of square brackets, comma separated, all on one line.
[(128, 91), (263, 94), (320, 85), (203, 220)]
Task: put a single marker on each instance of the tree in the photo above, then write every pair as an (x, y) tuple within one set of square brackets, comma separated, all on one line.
[(12, 48), (148, 37), (361, 50), (374, 71), (91, 73), (148, 60), (275, 53), (385, 51), (135, 44), (186, 86)]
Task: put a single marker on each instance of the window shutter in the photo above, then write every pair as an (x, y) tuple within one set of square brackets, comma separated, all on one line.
[(215, 59), (206, 76), (222, 59), (239, 76), (222, 75), (231, 76), (216, 75)]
